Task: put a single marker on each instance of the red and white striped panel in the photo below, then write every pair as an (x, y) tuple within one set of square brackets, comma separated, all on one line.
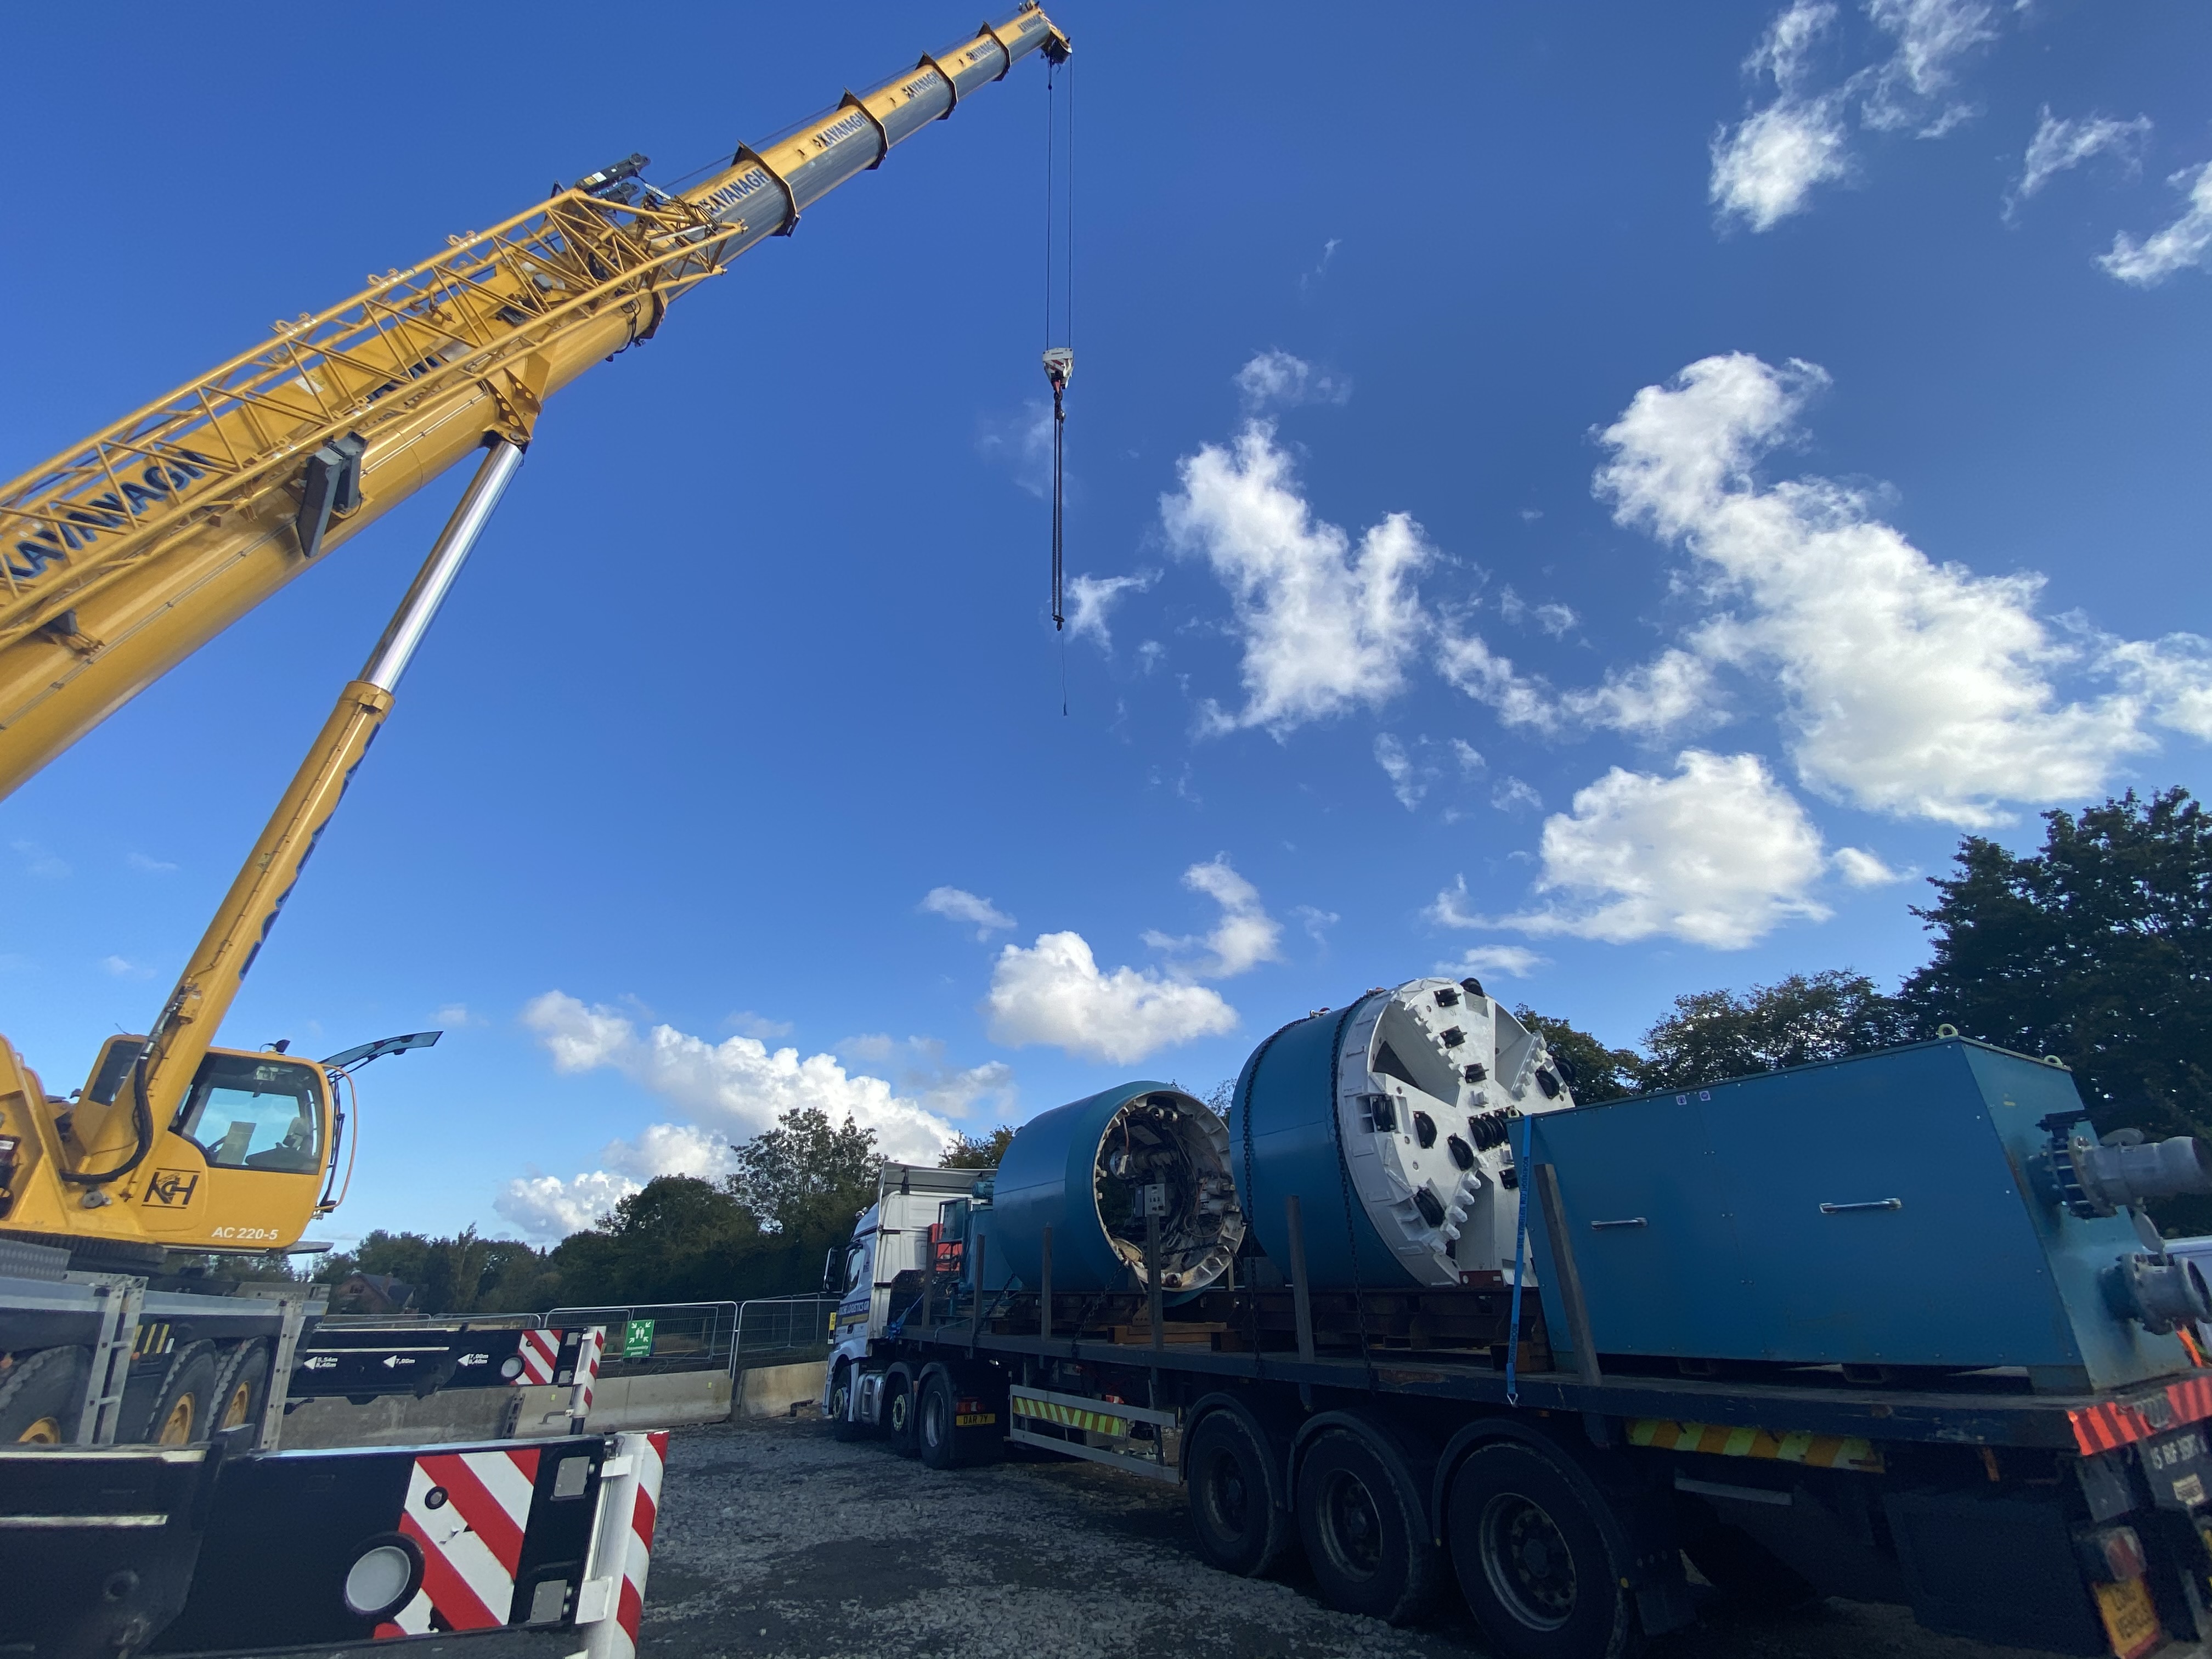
[(590, 1344), (541, 1356), (625, 1544), (467, 1512)]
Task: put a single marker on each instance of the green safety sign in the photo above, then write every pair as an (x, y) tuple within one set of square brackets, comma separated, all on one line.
[(637, 1340)]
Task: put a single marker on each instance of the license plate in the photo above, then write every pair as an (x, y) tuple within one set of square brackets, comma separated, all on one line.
[(2179, 1466), (2129, 1620), (974, 1420)]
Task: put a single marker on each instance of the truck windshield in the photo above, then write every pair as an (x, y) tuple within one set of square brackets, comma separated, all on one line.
[(251, 1112)]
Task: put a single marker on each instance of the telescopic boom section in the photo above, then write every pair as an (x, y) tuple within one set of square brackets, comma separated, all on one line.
[(124, 554)]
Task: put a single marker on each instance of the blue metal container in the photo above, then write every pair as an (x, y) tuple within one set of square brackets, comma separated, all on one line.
[(1062, 1163), (1389, 1120), (1887, 1209)]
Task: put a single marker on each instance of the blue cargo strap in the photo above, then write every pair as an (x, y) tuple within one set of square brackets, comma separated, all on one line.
[(1519, 1263)]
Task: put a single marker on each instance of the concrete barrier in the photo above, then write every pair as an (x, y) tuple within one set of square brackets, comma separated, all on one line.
[(772, 1390), (403, 1420), (663, 1399)]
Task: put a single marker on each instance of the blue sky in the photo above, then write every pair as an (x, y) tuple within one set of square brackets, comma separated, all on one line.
[(1603, 495)]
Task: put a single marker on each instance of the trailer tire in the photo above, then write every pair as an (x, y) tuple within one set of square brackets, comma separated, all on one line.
[(1237, 1507), (1533, 1560), (183, 1410), (241, 1387), (898, 1410), (1366, 1538), (936, 1436), (41, 1395)]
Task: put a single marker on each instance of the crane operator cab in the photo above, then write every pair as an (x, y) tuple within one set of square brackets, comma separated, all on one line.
[(247, 1158), (240, 1164)]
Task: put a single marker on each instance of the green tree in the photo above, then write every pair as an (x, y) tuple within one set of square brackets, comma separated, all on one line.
[(804, 1175), (1599, 1073), (977, 1151), (2097, 949), (1712, 1035)]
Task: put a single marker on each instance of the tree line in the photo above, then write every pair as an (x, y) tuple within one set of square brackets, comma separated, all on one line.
[(2096, 948)]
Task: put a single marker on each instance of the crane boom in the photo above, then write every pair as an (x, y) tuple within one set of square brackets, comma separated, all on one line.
[(125, 553)]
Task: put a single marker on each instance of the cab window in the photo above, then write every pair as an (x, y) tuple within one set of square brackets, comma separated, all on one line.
[(247, 1112), (856, 1268)]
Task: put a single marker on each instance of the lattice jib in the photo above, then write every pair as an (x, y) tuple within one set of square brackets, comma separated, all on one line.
[(364, 365)]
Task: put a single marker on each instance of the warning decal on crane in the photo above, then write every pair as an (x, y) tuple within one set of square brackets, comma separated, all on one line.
[(467, 1512)]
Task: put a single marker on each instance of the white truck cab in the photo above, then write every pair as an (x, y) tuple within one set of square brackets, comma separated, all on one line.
[(892, 1237)]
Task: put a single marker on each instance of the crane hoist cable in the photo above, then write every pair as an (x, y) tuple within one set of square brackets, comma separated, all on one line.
[(1059, 359)]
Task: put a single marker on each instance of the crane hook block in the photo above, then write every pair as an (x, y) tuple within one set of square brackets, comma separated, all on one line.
[(331, 485), (1059, 368)]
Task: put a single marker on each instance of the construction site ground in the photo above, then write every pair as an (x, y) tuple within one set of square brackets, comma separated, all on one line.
[(775, 1540)]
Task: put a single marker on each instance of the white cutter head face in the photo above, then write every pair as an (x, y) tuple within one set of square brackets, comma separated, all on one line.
[(1429, 1078)]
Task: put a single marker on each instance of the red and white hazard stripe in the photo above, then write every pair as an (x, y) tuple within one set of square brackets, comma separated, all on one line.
[(541, 1357), (467, 1513), (590, 1344), (621, 1550)]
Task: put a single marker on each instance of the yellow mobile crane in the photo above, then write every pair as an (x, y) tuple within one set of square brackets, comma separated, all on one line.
[(127, 552)]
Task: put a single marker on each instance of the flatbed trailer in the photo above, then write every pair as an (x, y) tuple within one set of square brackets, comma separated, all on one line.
[(1398, 1461)]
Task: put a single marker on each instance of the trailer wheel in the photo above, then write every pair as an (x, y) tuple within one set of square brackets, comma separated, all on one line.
[(241, 1388), (184, 1411), (898, 1410), (41, 1396), (1359, 1517), (1235, 1495), (1532, 1560), (935, 1435)]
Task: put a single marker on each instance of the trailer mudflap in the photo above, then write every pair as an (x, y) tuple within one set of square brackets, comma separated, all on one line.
[(1995, 1568)]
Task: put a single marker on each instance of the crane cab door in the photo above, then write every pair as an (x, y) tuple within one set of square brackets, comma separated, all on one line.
[(242, 1164)]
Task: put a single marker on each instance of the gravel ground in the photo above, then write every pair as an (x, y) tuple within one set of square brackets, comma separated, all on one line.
[(774, 1539)]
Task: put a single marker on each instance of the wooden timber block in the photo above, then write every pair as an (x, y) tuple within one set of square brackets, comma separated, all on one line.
[(1193, 1334)]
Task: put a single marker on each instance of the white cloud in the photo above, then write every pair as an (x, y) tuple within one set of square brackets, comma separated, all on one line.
[(1449, 908), (548, 1207), (1052, 993), (732, 1089), (147, 865), (1910, 687), (2058, 145), (944, 1088), (1767, 165), (1514, 961), (124, 968), (1931, 36), (1406, 781), (1022, 444), (1091, 598), (1673, 692), (455, 1016), (1863, 869), (2172, 676), (1245, 937), (1316, 921), (1468, 756), (1719, 854), (1277, 377), (38, 862), (2187, 241), (1513, 795), (746, 1023), (1324, 626), (955, 904)]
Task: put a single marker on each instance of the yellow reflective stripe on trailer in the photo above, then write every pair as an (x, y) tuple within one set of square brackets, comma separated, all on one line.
[(1819, 1451), (1069, 1416)]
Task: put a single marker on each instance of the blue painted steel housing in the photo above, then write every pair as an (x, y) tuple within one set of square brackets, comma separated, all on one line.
[(1699, 1230), (1282, 1141), (1047, 1179)]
